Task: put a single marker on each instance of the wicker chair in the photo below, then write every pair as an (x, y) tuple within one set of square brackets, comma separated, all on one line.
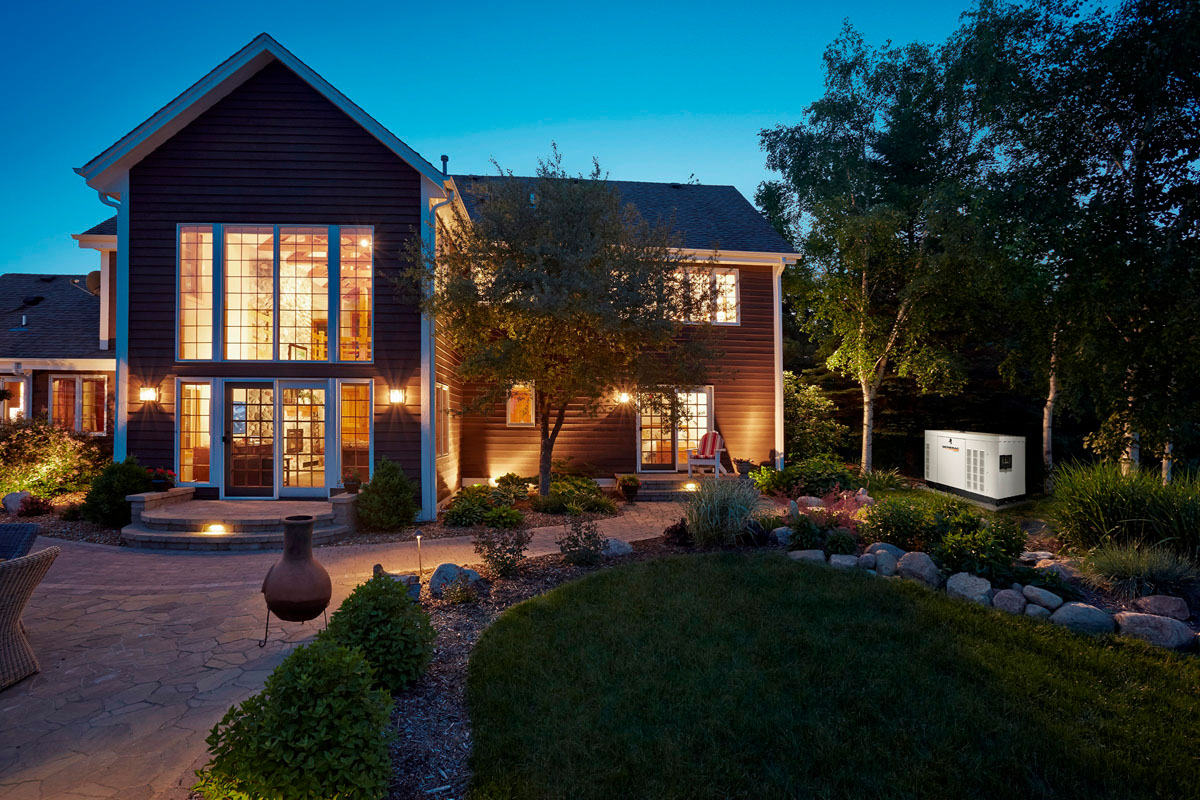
[(18, 579), (15, 540)]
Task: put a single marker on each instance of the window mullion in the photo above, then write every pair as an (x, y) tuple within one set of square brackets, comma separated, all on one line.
[(78, 404)]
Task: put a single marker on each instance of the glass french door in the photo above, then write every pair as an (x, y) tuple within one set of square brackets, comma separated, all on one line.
[(664, 447), (303, 419), (250, 440)]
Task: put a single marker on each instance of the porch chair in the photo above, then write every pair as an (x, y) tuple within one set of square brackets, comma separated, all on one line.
[(707, 454), (16, 539), (18, 579)]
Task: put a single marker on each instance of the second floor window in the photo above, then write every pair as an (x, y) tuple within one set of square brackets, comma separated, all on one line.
[(275, 293), (718, 290)]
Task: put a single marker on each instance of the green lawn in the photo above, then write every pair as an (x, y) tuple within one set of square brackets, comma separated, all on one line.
[(748, 675)]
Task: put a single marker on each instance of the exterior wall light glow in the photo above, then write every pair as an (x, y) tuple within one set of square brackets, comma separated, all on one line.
[(396, 396), (148, 394), (623, 397)]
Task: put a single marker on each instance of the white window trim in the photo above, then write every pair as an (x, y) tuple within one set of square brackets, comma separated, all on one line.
[(532, 409), (439, 389), (214, 441), (25, 407), (711, 393), (712, 286), (78, 378), (334, 261)]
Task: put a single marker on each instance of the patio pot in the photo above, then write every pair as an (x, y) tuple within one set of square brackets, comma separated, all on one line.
[(352, 486), (297, 588), (629, 493), (159, 484)]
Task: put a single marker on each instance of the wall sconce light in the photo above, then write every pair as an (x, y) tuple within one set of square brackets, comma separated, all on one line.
[(623, 397), (148, 394), (396, 396)]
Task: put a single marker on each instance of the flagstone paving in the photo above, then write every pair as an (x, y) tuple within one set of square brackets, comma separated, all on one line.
[(143, 651)]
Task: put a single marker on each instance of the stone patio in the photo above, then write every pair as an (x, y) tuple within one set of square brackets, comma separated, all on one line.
[(142, 652)]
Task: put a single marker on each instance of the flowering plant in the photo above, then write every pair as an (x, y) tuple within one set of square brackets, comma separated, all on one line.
[(163, 475)]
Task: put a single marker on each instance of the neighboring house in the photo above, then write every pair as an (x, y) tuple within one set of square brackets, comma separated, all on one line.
[(262, 350), (55, 358)]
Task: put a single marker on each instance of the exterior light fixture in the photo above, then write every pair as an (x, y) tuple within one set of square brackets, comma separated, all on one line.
[(215, 529), (623, 397), (148, 394), (396, 396), (690, 486)]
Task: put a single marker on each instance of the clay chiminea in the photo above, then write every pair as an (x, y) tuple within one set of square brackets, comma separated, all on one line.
[(297, 588)]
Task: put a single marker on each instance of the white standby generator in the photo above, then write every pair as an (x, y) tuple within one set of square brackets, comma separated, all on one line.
[(985, 466)]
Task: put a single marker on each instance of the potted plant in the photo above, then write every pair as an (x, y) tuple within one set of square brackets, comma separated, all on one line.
[(628, 485), (351, 482), (162, 479)]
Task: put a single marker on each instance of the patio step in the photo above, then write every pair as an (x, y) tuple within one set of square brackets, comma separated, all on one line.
[(668, 487), (154, 538), (228, 524)]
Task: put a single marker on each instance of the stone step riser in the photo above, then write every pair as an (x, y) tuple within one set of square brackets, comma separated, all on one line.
[(198, 526), (138, 536)]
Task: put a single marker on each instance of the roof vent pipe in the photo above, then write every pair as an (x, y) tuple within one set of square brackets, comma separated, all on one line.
[(445, 165)]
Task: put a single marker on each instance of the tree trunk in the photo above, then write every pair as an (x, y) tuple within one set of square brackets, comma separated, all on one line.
[(549, 436), (1132, 456), (1048, 423), (1168, 460), (868, 427)]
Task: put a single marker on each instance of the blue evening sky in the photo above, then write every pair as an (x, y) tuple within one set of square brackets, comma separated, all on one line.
[(656, 91)]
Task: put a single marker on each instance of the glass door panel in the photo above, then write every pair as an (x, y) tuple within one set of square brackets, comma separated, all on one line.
[(663, 446), (693, 423), (250, 440), (302, 414), (656, 437)]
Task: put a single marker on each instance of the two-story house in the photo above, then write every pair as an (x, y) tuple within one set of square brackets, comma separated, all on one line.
[(262, 350)]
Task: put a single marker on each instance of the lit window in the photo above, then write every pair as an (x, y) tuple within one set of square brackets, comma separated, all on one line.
[(356, 430), (195, 291), (79, 402), (354, 311), (194, 439), (520, 405), (303, 412), (304, 294), (249, 293), (13, 404), (716, 293), (443, 419)]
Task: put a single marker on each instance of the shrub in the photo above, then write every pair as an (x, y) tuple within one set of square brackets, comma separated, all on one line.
[(503, 517), (581, 542), (1131, 570), (389, 500), (574, 495), (41, 458), (502, 550), (901, 522), (316, 730), (34, 506), (809, 422), (840, 542), (1095, 503), (597, 504), (719, 510), (806, 534), (771, 521), (753, 535), (840, 510), (509, 489), (813, 476), (459, 592), (881, 480), (105, 503), (677, 534), (468, 506), (629, 480), (988, 549), (391, 630)]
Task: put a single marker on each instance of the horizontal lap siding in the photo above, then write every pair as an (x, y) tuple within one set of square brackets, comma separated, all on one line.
[(273, 151), (446, 369), (40, 395), (743, 393)]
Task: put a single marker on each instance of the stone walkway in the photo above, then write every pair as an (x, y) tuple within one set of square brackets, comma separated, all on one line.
[(142, 652)]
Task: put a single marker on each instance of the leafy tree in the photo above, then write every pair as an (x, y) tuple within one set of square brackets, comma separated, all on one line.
[(561, 285), (809, 426), (880, 176)]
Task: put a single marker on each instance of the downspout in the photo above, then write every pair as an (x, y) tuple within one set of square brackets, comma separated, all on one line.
[(428, 389)]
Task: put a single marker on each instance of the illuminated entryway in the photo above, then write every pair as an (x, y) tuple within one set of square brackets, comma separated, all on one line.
[(663, 447)]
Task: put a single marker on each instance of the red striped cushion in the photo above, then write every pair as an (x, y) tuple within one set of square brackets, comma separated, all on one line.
[(709, 443)]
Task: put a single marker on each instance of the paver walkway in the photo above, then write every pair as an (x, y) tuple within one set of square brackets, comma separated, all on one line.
[(142, 652)]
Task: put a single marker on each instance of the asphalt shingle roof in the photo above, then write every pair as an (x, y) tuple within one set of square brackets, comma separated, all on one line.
[(106, 228), (707, 217), (64, 323)]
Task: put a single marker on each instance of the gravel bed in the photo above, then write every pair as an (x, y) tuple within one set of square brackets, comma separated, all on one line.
[(55, 527)]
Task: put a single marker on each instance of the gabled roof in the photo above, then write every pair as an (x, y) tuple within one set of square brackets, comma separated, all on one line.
[(106, 228), (63, 324), (103, 171), (706, 217)]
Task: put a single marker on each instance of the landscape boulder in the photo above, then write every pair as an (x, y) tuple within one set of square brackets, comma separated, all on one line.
[(885, 563), (1036, 611), (1043, 598), (919, 567), (1034, 556), (1161, 631), (616, 547), (411, 582), (1062, 569), (895, 552), (1082, 618), (447, 574), (12, 501), (1009, 600), (866, 561), (1163, 605), (793, 510), (864, 498), (782, 535), (817, 556), (808, 501), (966, 586), (839, 561)]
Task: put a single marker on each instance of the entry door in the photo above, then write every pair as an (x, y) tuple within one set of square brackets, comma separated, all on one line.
[(664, 447), (249, 440), (302, 420)]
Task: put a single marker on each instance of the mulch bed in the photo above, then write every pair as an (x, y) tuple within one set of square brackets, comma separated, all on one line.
[(439, 530), (56, 527), (430, 722)]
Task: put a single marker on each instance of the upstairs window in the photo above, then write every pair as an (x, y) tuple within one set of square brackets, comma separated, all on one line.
[(195, 291), (249, 293), (719, 290), (304, 294), (357, 245), (519, 412)]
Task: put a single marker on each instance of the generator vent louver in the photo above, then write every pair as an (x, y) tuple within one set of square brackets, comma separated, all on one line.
[(975, 470), (927, 464)]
